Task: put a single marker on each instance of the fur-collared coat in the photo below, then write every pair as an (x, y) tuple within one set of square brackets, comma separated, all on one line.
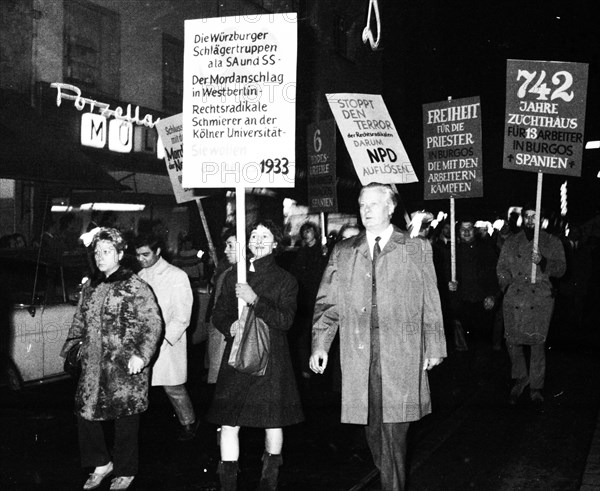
[(410, 324), (117, 317)]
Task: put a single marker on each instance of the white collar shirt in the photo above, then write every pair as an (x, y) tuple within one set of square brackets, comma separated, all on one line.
[(384, 237)]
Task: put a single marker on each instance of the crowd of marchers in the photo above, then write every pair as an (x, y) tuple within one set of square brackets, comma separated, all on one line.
[(377, 305)]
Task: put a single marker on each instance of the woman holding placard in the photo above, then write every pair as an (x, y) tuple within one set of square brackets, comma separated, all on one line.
[(270, 401)]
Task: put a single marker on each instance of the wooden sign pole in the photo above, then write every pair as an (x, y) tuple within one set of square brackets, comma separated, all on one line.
[(211, 246), (240, 232), (536, 235), (452, 240), (323, 233)]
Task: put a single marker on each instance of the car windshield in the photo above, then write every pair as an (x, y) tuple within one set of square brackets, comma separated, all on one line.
[(31, 281)]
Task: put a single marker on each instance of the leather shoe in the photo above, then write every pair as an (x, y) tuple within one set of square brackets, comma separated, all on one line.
[(517, 390), (188, 432), (536, 396), (121, 482), (96, 478)]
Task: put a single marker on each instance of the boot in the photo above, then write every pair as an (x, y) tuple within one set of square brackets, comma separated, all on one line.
[(270, 472), (518, 389), (228, 474)]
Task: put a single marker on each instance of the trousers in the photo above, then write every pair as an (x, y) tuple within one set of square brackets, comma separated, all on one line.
[(387, 441), (537, 364), (181, 402), (125, 452)]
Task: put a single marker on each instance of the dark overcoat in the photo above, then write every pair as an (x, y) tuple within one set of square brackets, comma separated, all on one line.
[(116, 318), (271, 400), (410, 324), (528, 307)]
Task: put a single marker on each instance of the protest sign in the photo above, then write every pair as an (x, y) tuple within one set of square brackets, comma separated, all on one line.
[(371, 138), (170, 132), (545, 116), (239, 101), (322, 189), (452, 148)]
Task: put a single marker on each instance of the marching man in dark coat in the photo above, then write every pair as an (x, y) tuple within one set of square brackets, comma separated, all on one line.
[(380, 289), (528, 307)]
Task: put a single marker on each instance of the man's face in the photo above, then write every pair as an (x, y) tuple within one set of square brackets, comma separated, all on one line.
[(529, 219), (146, 256), (375, 210), (309, 236), (231, 249), (446, 230), (467, 232)]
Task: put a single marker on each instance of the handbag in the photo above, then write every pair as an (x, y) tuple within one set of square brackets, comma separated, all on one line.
[(251, 345), (72, 363)]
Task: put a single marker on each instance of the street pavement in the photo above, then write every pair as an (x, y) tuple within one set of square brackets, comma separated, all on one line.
[(473, 440)]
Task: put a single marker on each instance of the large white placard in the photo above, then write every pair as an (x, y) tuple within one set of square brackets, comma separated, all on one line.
[(239, 101), (371, 138), (170, 131)]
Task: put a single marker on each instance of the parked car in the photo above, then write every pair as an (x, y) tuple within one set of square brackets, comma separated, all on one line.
[(38, 303)]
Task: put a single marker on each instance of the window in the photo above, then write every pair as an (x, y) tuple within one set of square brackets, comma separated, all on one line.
[(347, 37), (172, 74), (277, 5), (92, 48)]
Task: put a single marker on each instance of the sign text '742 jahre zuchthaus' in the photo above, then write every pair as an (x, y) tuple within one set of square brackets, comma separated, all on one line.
[(545, 116)]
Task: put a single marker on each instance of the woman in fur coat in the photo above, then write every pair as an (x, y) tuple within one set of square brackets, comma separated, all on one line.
[(119, 325)]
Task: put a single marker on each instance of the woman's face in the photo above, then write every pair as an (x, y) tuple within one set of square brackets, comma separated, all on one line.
[(231, 249), (261, 242), (106, 256)]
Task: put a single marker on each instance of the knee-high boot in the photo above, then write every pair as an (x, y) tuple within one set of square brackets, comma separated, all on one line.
[(228, 475), (270, 472)]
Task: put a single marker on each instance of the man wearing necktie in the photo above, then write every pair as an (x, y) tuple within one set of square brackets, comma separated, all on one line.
[(380, 289)]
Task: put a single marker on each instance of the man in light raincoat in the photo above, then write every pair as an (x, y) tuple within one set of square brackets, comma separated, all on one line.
[(380, 289)]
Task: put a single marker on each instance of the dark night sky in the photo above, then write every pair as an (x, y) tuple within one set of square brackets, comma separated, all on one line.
[(439, 48)]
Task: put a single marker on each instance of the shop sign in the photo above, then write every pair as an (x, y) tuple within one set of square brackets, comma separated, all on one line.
[(120, 133), (73, 93), (94, 133)]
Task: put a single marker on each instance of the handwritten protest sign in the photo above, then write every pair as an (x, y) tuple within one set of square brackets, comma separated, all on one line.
[(545, 116), (371, 138), (452, 147), (322, 189), (239, 101), (170, 132)]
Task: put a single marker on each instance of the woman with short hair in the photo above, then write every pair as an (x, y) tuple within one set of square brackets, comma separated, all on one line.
[(270, 401), (119, 325)]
